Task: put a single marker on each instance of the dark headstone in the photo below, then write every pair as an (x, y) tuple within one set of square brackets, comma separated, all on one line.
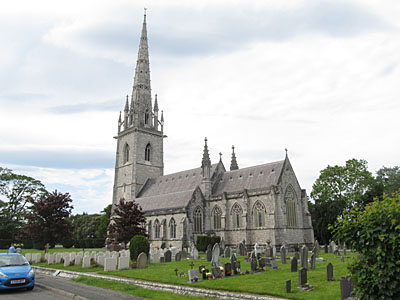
[(216, 272), (313, 260), (253, 264), (326, 248), (233, 259), (236, 268), (288, 286), (302, 277), (269, 252), (209, 247), (241, 249), (267, 262), (261, 263), (228, 269), (167, 256), (227, 252), (178, 256), (329, 272), (293, 265), (342, 258), (283, 255), (209, 255), (346, 287), (183, 253)]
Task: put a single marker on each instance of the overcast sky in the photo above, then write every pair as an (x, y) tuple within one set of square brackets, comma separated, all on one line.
[(320, 78)]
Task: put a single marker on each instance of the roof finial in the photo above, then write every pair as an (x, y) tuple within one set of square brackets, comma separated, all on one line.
[(220, 156), (286, 151), (145, 11), (234, 165), (205, 162)]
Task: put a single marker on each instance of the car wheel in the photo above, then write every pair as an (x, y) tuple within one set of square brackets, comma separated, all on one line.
[(30, 288)]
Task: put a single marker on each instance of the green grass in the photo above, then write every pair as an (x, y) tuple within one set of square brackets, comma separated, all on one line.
[(54, 250), (134, 290)]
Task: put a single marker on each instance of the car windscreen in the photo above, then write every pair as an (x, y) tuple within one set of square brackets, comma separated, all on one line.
[(12, 260)]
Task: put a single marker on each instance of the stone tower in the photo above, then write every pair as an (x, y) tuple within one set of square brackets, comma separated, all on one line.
[(140, 133)]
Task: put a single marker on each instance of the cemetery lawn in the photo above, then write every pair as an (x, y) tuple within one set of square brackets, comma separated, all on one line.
[(270, 282), (135, 290)]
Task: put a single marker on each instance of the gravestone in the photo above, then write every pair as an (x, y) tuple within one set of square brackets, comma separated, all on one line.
[(183, 253), (288, 286), (241, 249), (193, 275), (236, 269), (293, 265), (269, 252), (228, 269), (346, 287), (302, 277), (274, 264), (326, 248), (100, 260), (36, 257), (167, 256), (67, 261), (283, 255), (209, 255), (222, 246), (267, 261), (312, 261), (227, 252), (215, 256), (233, 259), (178, 256), (209, 247), (58, 258), (28, 256), (316, 246), (50, 259), (304, 257), (142, 260), (195, 254), (174, 251), (123, 263), (110, 263), (216, 272), (86, 262), (162, 259), (253, 265), (329, 272), (261, 263), (78, 260)]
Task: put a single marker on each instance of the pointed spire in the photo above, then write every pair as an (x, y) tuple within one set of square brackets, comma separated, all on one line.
[(162, 121), (155, 104), (126, 104), (205, 162), (234, 165), (126, 113), (119, 122), (220, 156)]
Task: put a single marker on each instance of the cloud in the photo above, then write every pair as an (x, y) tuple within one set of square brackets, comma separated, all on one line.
[(112, 105), (57, 158)]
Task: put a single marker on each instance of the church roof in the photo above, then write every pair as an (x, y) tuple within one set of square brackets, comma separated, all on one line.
[(170, 191), (260, 176)]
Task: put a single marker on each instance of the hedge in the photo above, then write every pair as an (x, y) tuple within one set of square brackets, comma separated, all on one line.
[(5, 243), (139, 244), (204, 240)]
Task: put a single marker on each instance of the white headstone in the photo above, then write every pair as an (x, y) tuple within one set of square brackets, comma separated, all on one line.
[(50, 259), (86, 261), (78, 260), (110, 264), (67, 261), (174, 251), (28, 256), (123, 263), (195, 254), (58, 258), (36, 257)]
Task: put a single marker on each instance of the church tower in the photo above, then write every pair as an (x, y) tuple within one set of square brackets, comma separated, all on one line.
[(140, 133)]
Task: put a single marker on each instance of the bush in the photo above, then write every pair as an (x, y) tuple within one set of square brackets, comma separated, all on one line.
[(204, 240), (374, 233), (28, 244), (138, 244), (67, 243), (39, 245), (5, 243)]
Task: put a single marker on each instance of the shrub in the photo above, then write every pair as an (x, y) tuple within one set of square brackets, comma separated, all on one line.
[(375, 234), (28, 244), (67, 243), (138, 244), (204, 240), (39, 245), (5, 243)]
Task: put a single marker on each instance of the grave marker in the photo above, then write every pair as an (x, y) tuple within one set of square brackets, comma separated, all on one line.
[(167, 256), (304, 257), (283, 255), (329, 272), (193, 275), (288, 286), (141, 261), (110, 263), (178, 256), (293, 265), (313, 259), (346, 287), (302, 277), (216, 272)]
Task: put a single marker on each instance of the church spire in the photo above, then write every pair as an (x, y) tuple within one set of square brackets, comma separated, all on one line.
[(141, 93), (205, 162), (206, 168), (234, 165)]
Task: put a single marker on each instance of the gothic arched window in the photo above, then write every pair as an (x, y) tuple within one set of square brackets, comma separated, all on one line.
[(147, 152), (237, 213), (290, 200), (149, 230), (198, 220), (172, 228), (216, 213), (146, 117), (259, 214), (126, 153), (157, 229)]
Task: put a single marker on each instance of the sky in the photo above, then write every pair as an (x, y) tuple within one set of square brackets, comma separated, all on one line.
[(320, 78)]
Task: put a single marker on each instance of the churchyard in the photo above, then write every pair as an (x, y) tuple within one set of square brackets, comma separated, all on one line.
[(263, 276)]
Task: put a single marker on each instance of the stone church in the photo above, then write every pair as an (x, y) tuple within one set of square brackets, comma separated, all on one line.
[(254, 204)]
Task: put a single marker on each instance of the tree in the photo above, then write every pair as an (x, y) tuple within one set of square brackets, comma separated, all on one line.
[(338, 188), (48, 218), (128, 221), (85, 225), (375, 233), (389, 178), (101, 231), (16, 190)]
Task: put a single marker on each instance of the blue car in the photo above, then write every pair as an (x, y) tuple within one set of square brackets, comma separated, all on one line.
[(15, 272)]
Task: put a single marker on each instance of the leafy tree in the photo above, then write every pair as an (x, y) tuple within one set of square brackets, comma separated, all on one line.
[(48, 218), (389, 178), (338, 188), (138, 244), (85, 225), (101, 231), (16, 191), (128, 221), (375, 234)]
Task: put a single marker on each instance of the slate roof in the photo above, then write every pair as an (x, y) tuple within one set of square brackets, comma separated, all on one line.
[(260, 176), (170, 191)]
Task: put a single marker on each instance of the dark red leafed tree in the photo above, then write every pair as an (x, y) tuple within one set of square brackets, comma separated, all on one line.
[(127, 221), (47, 219)]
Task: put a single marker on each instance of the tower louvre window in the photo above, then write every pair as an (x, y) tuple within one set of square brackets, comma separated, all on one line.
[(147, 153), (126, 153), (146, 117)]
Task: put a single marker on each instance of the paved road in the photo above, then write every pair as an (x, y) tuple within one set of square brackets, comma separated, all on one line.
[(59, 285)]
